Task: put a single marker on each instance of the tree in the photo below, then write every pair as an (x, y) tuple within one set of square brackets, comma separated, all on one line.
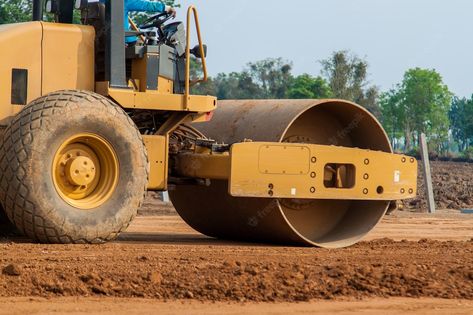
[(429, 101), (420, 104), (237, 85), (272, 77), (393, 114), (347, 76), (306, 86), (265, 79), (461, 120), (14, 11), (203, 88)]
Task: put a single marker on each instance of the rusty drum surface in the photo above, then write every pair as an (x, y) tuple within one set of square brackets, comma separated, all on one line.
[(325, 223)]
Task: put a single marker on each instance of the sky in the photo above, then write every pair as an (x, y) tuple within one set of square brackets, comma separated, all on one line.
[(392, 35)]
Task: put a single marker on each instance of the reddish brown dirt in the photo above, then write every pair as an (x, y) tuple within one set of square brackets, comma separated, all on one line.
[(411, 264), (152, 262), (114, 306), (453, 186)]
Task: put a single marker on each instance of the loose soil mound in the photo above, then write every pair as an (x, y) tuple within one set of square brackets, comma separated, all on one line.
[(453, 187), (223, 272)]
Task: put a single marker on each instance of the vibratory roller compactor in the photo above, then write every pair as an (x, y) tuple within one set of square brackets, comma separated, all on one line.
[(89, 125)]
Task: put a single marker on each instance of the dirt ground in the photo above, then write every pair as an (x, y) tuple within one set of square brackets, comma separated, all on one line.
[(453, 187), (113, 306), (410, 263)]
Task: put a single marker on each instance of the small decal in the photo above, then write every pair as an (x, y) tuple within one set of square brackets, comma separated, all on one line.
[(293, 192), (397, 176)]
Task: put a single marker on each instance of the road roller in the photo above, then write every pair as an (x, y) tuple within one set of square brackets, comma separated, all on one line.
[(89, 124)]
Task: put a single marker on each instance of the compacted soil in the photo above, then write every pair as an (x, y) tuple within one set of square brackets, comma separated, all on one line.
[(113, 306), (411, 264), (160, 259)]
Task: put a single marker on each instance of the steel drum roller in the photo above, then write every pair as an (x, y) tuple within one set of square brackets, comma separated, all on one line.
[(325, 223)]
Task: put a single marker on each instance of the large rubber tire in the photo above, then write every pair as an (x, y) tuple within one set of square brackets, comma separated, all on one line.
[(3, 218), (27, 190), (6, 228)]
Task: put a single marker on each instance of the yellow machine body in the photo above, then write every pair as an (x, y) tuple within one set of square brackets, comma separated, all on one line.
[(27, 57), (54, 56), (150, 99), (318, 172), (58, 56), (158, 159), (306, 171)]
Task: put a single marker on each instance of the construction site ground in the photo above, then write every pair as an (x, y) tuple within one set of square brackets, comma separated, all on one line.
[(412, 263)]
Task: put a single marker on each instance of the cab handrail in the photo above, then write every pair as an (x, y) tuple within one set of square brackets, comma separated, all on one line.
[(193, 11)]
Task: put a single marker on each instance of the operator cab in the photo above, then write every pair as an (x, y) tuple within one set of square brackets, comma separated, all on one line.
[(155, 62)]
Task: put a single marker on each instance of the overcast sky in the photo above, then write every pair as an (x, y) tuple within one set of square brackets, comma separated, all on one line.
[(393, 35)]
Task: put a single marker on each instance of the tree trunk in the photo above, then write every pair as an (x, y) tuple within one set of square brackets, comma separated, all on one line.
[(407, 139)]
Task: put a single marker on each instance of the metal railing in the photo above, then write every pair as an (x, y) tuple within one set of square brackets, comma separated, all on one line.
[(193, 11)]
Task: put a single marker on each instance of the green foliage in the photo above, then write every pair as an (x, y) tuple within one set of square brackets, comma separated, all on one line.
[(420, 104), (306, 86), (236, 86), (413, 152), (468, 153), (14, 11), (271, 76), (393, 115), (461, 119), (347, 75), (265, 79)]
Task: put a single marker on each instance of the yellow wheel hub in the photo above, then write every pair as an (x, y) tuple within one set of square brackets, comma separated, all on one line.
[(80, 171), (85, 171)]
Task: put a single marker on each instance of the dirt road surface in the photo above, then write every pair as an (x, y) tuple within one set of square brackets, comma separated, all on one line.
[(113, 306), (411, 262)]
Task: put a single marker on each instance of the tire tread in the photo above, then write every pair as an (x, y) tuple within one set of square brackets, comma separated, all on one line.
[(14, 150)]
